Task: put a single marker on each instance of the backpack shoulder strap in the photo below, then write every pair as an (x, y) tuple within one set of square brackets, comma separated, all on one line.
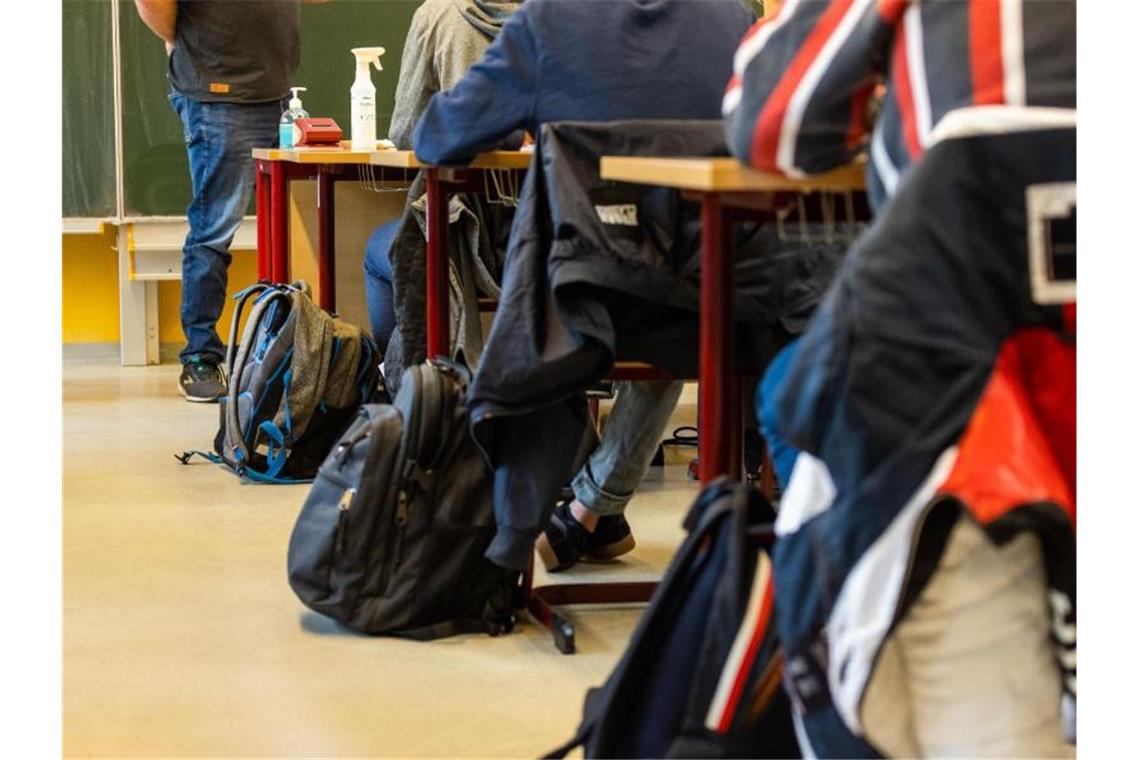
[(242, 298), (591, 712), (713, 506), (236, 357), (578, 740)]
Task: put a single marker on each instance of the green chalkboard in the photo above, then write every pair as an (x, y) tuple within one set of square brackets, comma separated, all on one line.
[(156, 176), (155, 173), (88, 110)]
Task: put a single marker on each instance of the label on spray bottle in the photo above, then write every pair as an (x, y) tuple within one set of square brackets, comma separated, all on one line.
[(364, 121)]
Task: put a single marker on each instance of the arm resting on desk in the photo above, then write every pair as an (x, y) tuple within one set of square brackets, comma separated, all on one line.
[(493, 100), (770, 68)]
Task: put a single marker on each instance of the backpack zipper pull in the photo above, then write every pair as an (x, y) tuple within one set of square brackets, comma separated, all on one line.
[(402, 507), (401, 521), (342, 517), (344, 447)]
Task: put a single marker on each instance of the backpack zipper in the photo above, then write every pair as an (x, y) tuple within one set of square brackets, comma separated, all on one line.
[(376, 449), (407, 480), (344, 447), (348, 496), (412, 425), (342, 518), (401, 521)]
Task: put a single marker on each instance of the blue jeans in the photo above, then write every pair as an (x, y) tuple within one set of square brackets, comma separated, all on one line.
[(219, 140), (641, 410), (529, 476), (378, 282), (783, 455)]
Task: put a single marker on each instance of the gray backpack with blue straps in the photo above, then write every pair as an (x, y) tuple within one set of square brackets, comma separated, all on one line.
[(296, 379)]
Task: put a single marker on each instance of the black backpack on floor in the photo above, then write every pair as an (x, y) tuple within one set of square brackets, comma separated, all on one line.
[(702, 676), (391, 537)]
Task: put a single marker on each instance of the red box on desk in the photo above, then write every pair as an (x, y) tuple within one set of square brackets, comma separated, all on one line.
[(319, 131)]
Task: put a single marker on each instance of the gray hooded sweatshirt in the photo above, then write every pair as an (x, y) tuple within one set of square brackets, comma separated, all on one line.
[(445, 38)]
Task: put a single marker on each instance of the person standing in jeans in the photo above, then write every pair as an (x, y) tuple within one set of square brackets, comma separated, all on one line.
[(230, 66)]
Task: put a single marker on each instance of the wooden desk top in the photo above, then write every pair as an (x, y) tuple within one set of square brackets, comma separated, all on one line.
[(496, 159), (722, 175), (315, 155), (392, 158)]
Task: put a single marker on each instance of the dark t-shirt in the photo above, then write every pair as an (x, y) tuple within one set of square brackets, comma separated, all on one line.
[(243, 51)]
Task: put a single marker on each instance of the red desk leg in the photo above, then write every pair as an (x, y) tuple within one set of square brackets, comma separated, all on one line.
[(326, 244), (438, 319), (279, 222), (262, 189), (718, 406)]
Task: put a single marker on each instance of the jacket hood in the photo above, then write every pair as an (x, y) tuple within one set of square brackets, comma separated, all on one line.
[(487, 15)]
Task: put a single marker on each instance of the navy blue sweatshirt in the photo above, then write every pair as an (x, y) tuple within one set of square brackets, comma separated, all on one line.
[(587, 60)]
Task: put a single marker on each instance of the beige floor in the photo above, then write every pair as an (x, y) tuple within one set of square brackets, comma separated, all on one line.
[(182, 637)]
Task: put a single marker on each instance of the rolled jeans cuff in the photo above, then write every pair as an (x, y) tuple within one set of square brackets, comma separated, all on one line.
[(594, 497), (511, 549)]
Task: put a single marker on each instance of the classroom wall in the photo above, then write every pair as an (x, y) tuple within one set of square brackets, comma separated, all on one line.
[(90, 266), (91, 290)]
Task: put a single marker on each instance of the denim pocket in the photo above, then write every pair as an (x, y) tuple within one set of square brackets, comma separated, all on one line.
[(179, 102)]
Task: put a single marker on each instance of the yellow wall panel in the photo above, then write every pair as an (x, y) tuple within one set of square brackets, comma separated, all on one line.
[(91, 291), (90, 267), (90, 288)]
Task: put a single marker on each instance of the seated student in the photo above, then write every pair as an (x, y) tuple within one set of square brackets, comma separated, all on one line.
[(559, 60), (444, 39), (929, 692)]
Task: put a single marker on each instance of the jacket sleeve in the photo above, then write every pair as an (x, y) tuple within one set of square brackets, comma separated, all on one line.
[(496, 97), (416, 85), (802, 80)]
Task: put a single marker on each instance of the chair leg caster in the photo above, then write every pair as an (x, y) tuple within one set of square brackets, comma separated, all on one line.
[(563, 634)]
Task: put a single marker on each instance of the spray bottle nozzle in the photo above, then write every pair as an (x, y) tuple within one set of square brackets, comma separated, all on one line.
[(295, 102), (367, 55)]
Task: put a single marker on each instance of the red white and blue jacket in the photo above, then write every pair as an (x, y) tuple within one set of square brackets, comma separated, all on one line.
[(803, 78), (947, 303), (935, 382)]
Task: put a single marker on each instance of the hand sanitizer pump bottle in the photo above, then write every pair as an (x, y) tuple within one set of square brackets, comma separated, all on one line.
[(288, 133), (364, 98)]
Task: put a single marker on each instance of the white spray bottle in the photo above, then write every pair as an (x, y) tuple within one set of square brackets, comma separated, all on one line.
[(364, 98)]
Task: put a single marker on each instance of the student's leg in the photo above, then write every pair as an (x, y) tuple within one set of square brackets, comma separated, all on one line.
[(220, 138), (641, 410), (970, 670), (528, 476), (378, 282), (593, 523)]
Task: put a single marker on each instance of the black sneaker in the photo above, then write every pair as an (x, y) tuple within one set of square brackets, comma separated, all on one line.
[(564, 541), (611, 538), (201, 380)]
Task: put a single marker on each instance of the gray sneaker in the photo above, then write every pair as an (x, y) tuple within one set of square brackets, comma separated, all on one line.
[(202, 380)]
